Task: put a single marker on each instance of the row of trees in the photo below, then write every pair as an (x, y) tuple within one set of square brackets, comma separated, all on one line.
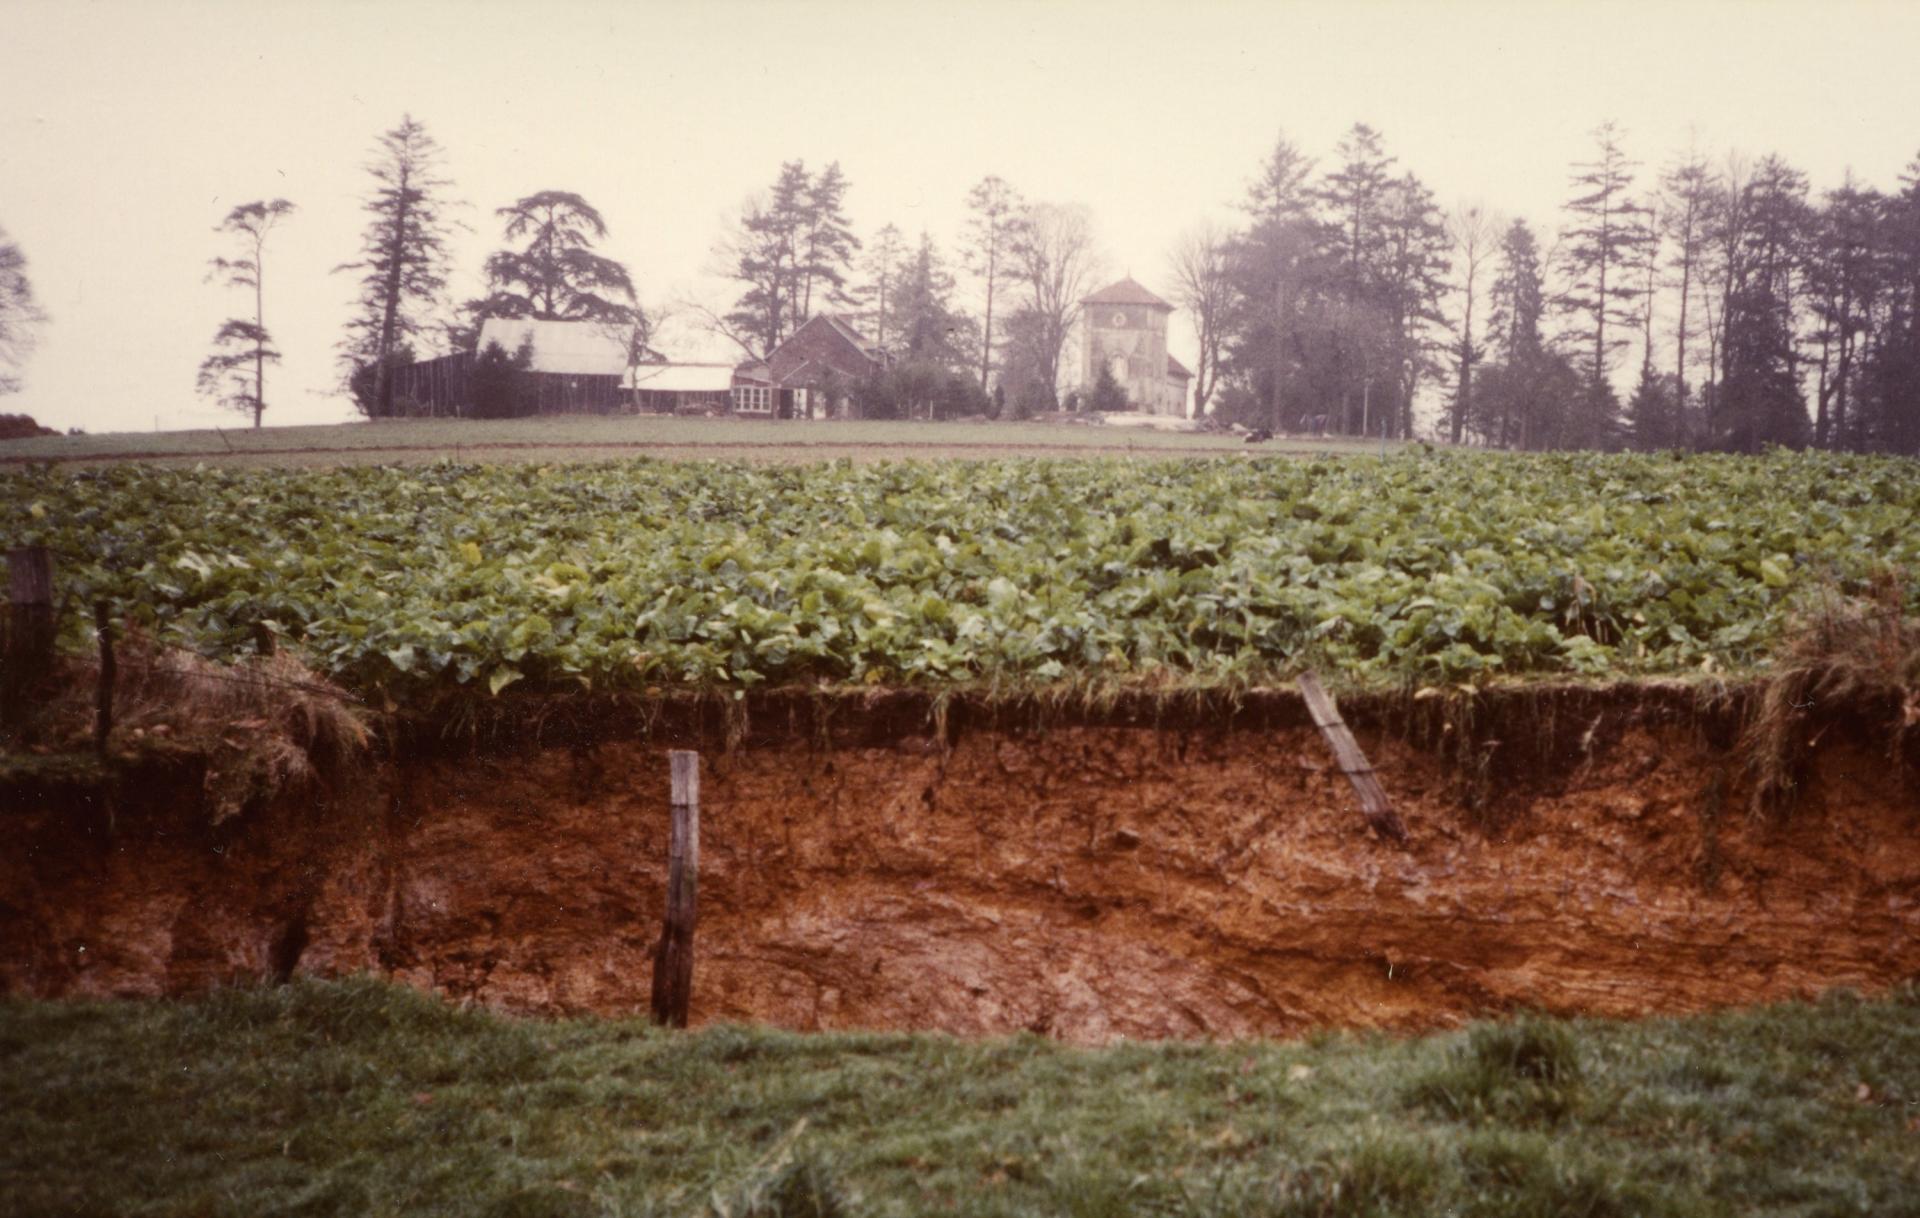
[(548, 269), (793, 253), (1760, 315), (1759, 312), (1345, 296)]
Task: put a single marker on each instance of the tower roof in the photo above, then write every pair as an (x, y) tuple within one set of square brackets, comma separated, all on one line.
[(1126, 292)]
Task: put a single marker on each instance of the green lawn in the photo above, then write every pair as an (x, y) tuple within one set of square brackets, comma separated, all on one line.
[(360, 1098), (580, 437)]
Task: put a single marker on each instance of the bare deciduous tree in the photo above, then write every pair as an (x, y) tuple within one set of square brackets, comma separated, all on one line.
[(19, 315), (1202, 286), (1475, 234), (1054, 259)]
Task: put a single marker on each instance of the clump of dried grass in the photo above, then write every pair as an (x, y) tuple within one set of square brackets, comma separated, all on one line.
[(1842, 654), (266, 724)]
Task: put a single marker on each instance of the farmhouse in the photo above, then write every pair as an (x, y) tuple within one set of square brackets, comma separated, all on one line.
[(809, 376), (1123, 326)]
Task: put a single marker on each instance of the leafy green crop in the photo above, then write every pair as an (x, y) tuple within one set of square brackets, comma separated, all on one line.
[(1428, 567)]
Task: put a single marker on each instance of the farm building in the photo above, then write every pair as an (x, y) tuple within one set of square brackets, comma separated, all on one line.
[(809, 376), (680, 388), (578, 366)]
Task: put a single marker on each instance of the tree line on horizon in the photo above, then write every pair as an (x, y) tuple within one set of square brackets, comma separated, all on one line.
[(1738, 307)]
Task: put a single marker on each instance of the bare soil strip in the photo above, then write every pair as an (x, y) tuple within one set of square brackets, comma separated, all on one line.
[(1090, 881)]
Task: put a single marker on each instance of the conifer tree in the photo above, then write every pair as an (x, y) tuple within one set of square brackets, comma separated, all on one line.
[(235, 372), (403, 257)]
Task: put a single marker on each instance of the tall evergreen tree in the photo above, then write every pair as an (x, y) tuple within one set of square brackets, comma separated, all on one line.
[(825, 246), (1686, 200), (879, 289), (1842, 290), (1760, 399), (763, 254), (403, 257), (1356, 196), (931, 330), (1411, 283), (1605, 238), (1889, 408), (1276, 274), (241, 343), (993, 219)]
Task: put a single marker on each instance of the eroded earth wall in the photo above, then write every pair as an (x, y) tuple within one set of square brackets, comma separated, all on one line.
[(1086, 882)]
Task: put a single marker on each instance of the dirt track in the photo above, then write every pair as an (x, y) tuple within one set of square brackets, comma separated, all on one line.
[(1087, 882)]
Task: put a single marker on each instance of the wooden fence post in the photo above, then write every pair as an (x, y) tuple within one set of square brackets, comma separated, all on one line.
[(29, 656), (103, 695), (1353, 763), (673, 959)]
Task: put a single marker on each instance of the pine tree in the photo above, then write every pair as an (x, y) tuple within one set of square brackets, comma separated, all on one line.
[(930, 329), (1606, 236), (1889, 415), (1843, 289), (1760, 400), (992, 225), (403, 257), (241, 344), (880, 292), (1411, 282), (826, 245), (1686, 201), (764, 255), (1276, 274)]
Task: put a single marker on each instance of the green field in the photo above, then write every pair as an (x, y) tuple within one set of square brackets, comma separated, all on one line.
[(587, 437), (1423, 567), (361, 1098)]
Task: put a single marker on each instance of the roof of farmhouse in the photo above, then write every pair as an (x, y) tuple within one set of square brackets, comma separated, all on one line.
[(683, 378), (570, 348), (1126, 292)]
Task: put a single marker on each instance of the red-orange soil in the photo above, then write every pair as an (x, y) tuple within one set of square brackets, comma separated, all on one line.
[(1089, 882)]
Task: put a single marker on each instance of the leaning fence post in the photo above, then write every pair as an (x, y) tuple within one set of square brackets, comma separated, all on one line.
[(673, 959), (29, 656)]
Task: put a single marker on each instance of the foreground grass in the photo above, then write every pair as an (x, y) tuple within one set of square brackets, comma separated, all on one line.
[(583, 437), (360, 1098)]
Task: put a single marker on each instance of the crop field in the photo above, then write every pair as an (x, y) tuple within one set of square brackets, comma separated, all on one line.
[(648, 574), (590, 437)]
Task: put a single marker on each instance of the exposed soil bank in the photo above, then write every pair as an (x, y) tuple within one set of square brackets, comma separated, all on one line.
[(1099, 878)]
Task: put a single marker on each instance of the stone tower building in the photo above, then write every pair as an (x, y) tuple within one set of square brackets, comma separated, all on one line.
[(1124, 327)]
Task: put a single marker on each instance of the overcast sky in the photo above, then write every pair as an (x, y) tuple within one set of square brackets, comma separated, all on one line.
[(127, 130)]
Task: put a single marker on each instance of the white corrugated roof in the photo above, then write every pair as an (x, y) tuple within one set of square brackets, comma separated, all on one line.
[(683, 378), (571, 348)]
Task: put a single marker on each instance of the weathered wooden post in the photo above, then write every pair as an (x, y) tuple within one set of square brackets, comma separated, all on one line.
[(29, 656), (1353, 763), (103, 695), (673, 959)]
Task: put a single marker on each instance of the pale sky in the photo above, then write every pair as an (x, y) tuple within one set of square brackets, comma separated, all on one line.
[(127, 130)]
